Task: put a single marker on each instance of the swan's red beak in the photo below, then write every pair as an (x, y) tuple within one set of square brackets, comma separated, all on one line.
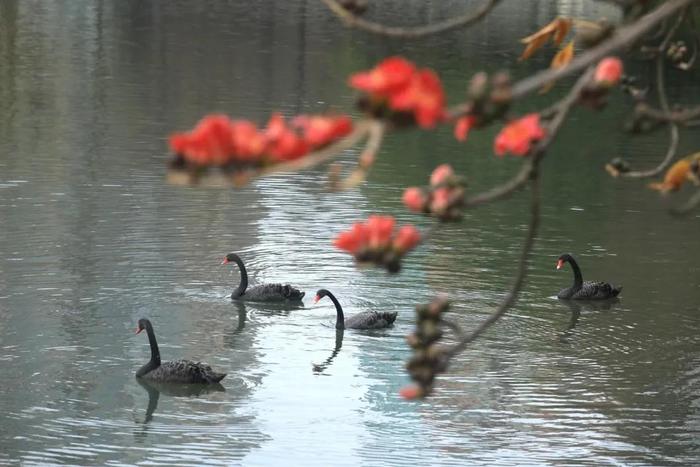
[(225, 261), (560, 264), (316, 299), (138, 330)]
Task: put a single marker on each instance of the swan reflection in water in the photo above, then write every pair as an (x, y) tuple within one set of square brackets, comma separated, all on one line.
[(577, 306), (320, 367), (154, 389)]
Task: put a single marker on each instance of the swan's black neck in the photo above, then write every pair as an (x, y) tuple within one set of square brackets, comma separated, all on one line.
[(155, 353), (578, 278), (244, 278), (340, 319)]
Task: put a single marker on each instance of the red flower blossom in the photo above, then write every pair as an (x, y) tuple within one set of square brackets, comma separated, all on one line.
[(407, 238), (284, 143), (518, 135), (440, 200), (380, 230), (209, 143), (248, 143), (441, 174), (387, 77), (608, 72), (423, 96), (320, 130), (414, 199), (353, 240), (463, 125)]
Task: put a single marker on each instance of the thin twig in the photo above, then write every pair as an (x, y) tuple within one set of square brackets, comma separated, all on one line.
[(375, 137), (519, 280), (678, 116), (674, 134), (465, 20)]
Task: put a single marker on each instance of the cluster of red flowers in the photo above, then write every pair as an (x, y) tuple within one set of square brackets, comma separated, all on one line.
[(517, 137), (429, 356), (444, 197), (398, 85), (376, 241), (217, 140)]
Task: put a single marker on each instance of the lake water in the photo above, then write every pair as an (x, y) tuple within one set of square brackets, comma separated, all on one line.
[(92, 239)]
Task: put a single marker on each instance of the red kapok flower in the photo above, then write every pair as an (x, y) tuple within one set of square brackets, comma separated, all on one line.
[(354, 239), (608, 72), (463, 125), (423, 96), (517, 137), (414, 199), (388, 76), (248, 143), (209, 143), (284, 144), (319, 130), (407, 238), (440, 200), (380, 229), (441, 174)]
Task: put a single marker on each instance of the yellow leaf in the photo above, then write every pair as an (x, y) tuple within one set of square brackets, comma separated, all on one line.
[(562, 29), (555, 30), (561, 59)]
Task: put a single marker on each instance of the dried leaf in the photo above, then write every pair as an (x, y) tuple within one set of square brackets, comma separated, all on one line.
[(561, 59), (555, 30), (562, 28)]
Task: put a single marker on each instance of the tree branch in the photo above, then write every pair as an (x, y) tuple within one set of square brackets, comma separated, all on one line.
[(465, 20), (519, 280)]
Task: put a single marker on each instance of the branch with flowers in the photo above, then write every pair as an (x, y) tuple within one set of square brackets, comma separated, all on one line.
[(396, 95)]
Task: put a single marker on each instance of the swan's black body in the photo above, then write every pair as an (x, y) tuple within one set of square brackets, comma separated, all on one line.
[(364, 320), (178, 371), (581, 290), (261, 293)]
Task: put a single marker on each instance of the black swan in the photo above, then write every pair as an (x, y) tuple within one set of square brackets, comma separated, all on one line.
[(178, 371), (584, 290), (261, 293), (364, 320)]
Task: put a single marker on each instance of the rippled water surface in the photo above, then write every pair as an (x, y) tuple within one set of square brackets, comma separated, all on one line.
[(92, 239)]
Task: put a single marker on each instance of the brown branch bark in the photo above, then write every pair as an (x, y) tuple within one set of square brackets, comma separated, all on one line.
[(674, 135), (465, 20), (682, 116), (519, 280)]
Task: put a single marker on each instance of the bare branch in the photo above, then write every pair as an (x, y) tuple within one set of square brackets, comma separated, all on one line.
[(465, 20), (519, 280), (673, 126), (682, 116)]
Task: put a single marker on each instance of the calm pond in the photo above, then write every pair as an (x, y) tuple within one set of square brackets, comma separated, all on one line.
[(92, 239)]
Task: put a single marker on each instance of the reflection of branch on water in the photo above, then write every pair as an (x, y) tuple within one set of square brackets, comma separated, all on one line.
[(320, 367)]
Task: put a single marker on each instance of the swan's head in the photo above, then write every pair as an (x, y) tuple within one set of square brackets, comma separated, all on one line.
[(230, 258), (563, 259), (320, 294), (142, 325)]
